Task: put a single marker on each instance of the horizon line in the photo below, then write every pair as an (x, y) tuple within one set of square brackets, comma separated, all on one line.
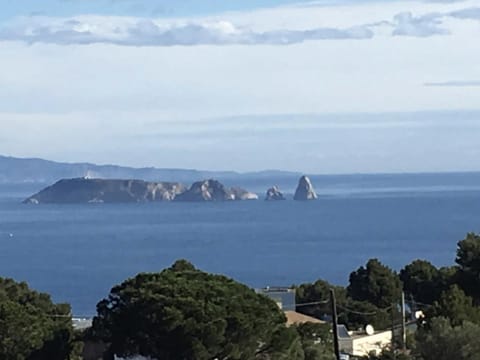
[(243, 173)]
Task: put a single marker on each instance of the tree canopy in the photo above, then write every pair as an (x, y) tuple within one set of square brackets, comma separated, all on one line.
[(443, 341), (358, 297), (184, 313), (317, 341), (468, 260), (375, 283), (32, 327), (456, 306), (421, 281)]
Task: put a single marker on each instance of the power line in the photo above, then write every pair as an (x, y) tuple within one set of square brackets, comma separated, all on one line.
[(419, 303), (321, 302), (363, 313), (357, 312)]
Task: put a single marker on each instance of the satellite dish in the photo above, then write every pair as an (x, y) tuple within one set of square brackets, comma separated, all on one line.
[(369, 330)]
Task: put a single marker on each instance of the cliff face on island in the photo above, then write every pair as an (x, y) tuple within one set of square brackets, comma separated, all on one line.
[(305, 190), (242, 194), (213, 190), (206, 190), (82, 190)]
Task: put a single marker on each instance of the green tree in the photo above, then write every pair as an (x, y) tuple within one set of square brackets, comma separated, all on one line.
[(184, 313), (468, 259), (421, 281), (317, 341), (457, 307), (354, 314), (317, 294), (375, 283), (439, 340), (32, 327), (389, 354), (357, 314)]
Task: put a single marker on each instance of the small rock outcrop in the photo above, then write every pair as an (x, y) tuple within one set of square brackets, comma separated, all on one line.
[(274, 194), (242, 194), (206, 190), (305, 190), (85, 190)]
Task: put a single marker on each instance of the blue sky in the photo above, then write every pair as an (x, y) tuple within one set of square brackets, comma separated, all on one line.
[(318, 87), (163, 8)]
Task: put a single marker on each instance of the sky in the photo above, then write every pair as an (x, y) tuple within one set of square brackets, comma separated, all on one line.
[(331, 86)]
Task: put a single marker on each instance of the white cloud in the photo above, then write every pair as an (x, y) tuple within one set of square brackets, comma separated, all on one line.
[(231, 29), (149, 32), (422, 26), (472, 13)]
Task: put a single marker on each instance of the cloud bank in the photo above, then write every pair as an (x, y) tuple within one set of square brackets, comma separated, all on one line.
[(472, 13), (147, 32), (128, 31)]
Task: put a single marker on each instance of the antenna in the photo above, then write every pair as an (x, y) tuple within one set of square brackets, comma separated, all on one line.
[(369, 330)]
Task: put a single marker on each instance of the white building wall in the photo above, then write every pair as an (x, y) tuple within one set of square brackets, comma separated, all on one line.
[(364, 345)]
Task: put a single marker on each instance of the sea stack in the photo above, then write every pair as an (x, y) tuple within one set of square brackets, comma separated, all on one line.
[(305, 190), (274, 194)]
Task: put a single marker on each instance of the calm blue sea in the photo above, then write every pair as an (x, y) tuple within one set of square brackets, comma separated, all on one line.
[(78, 252)]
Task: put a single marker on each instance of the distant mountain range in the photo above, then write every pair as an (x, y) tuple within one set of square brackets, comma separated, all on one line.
[(17, 170)]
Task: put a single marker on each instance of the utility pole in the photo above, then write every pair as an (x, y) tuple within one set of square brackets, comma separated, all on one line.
[(404, 332), (333, 302), (393, 308)]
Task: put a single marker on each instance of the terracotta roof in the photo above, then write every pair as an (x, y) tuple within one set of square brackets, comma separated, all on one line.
[(294, 317)]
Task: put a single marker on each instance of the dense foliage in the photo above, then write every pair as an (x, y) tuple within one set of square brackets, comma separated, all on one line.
[(375, 283), (184, 313), (32, 327), (317, 341), (367, 299), (440, 340), (468, 260), (449, 298)]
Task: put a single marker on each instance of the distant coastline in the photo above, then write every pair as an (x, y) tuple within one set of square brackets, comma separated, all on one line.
[(33, 175), (15, 170)]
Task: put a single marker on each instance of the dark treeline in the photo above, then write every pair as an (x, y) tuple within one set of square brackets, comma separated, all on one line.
[(186, 314), (452, 292), (448, 297)]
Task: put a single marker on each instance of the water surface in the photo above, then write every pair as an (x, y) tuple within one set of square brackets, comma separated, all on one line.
[(78, 252)]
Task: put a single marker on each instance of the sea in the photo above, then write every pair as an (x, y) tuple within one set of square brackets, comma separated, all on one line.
[(77, 253)]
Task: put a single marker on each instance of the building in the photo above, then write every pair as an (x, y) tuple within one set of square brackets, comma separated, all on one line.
[(361, 343), (82, 323)]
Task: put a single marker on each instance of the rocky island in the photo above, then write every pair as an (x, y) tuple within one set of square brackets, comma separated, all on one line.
[(206, 190), (242, 194), (273, 194), (85, 190), (213, 190), (305, 190)]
